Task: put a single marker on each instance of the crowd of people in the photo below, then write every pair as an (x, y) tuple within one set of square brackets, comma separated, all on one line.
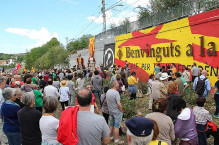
[(29, 104)]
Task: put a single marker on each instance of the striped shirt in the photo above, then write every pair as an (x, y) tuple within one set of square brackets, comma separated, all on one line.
[(201, 115)]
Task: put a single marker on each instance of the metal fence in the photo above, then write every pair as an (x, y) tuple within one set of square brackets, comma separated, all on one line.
[(187, 9)]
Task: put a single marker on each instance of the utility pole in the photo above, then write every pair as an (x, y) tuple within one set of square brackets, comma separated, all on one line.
[(104, 15)]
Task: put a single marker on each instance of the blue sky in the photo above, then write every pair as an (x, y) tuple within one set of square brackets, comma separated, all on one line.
[(25, 24)]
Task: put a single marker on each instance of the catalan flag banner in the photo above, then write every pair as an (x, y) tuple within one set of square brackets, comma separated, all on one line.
[(183, 42), (32, 70), (25, 70)]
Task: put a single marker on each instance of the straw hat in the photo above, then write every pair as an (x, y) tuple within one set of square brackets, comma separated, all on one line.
[(164, 76), (63, 83)]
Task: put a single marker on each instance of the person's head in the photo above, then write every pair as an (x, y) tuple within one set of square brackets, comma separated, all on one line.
[(139, 131), (163, 67), (172, 87), (200, 101), (28, 99), (164, 77), (118, 77), (18, 93), (50, 81), (194, 64), (96, 72), (114, 84), (90, 74), (159, 105), (40, 77), (79, 55), (28, 81), (151, 76), (204, 72), (175, 106), (89, 86), (2, 82), (80, 75), (70, 77), (50, 104), (155, 129), (158, 64), (178, 75), (168, 67), (84, 97), (9, 94), (157, 77), (35, 87), (186, 68), (133, 74), (173, 65), (105, 89)]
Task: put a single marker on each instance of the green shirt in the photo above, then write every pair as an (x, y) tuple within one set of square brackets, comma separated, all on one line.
[(34, 80), (38, 98), (157, 69)]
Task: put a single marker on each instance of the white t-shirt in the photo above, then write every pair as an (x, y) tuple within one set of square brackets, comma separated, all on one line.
[(48, 127), (64, 91), (51, 91), (80, 83)]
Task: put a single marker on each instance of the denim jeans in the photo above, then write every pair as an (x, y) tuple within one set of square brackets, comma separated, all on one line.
[(97, 94), (13, 138), (216, 98)]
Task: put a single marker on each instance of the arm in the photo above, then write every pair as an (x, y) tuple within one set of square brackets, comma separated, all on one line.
[(163, 89), (119, 106), (186, 86), (208, 87), (106, 140), (172, 133)]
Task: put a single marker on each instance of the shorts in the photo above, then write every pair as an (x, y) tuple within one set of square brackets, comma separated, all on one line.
[(116, 119)]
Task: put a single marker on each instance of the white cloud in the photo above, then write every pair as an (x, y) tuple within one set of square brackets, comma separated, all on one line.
[(41, 36), (136, 3)]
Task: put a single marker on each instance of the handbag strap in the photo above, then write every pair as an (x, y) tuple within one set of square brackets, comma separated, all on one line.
[(103, 100), (11, 121)]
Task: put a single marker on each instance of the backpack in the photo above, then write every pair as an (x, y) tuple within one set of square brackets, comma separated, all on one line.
[(200, 87)]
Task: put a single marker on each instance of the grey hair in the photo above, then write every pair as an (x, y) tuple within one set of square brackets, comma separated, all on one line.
[(50, 104), (2, 79), (8, 93), (113, 82), (18, 92), (27, 98), (135, 140)]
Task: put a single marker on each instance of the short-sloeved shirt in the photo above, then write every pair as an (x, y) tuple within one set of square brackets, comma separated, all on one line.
[(157, 69), (173, 72), (132, 80), (80, 83), (38, 98), (51, 91), (64, 91), (34, 80), (91, 128), (48, 127), (71, 84), (112, 97), (96, 82), (195, 71)]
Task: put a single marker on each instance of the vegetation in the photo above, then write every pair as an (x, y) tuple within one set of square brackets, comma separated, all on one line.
[(4, 56), (47, 56), (78, 44)]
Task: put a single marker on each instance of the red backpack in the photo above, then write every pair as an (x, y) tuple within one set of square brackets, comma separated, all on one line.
[(67, 132)]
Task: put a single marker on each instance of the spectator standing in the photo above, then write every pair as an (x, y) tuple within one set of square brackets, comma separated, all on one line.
[(28, 87), (216, 98), (48, 124), (156, 88), (97, 83), (201, 118), (118, 78), (151, 79), (157, 69), (194, 71), (185, 126), (165, 125), (19, 94), (9, 111), (50, 90), (132, 82), (115, 111), (80, 81), (91, 128), (105, 110), (42, 83), (64, 94), (71, 86), (163, 85), (186, 75), (124, 79), (56, 83), (173, 68), (29, 118), (38, 98), (34, 79), (202, 85), (180, 83)]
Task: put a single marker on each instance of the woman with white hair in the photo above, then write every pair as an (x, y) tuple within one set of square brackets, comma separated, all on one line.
[(9, 111), (29, 118)]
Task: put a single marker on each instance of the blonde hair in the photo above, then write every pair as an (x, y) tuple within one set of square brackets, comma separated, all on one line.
[(172, 86)]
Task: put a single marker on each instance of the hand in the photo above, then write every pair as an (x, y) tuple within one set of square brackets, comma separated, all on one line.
[(97, 111)]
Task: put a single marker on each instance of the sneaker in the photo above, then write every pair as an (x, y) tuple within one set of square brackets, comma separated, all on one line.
[(119, 142), (216, 116)]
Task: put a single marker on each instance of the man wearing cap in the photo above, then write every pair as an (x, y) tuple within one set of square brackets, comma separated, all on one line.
[(163, 85), (139, 131)]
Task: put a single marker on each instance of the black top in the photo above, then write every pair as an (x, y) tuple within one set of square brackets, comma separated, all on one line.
[(29, 118), (18, 101)]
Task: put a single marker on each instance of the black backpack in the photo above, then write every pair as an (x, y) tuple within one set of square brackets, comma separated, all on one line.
[(200, 87)]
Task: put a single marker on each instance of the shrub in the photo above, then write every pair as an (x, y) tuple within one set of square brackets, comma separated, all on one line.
[(143, 86), (129, 106)]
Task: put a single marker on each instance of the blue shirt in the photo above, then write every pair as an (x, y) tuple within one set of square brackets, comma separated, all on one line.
[(9, 111), (207, 85)]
